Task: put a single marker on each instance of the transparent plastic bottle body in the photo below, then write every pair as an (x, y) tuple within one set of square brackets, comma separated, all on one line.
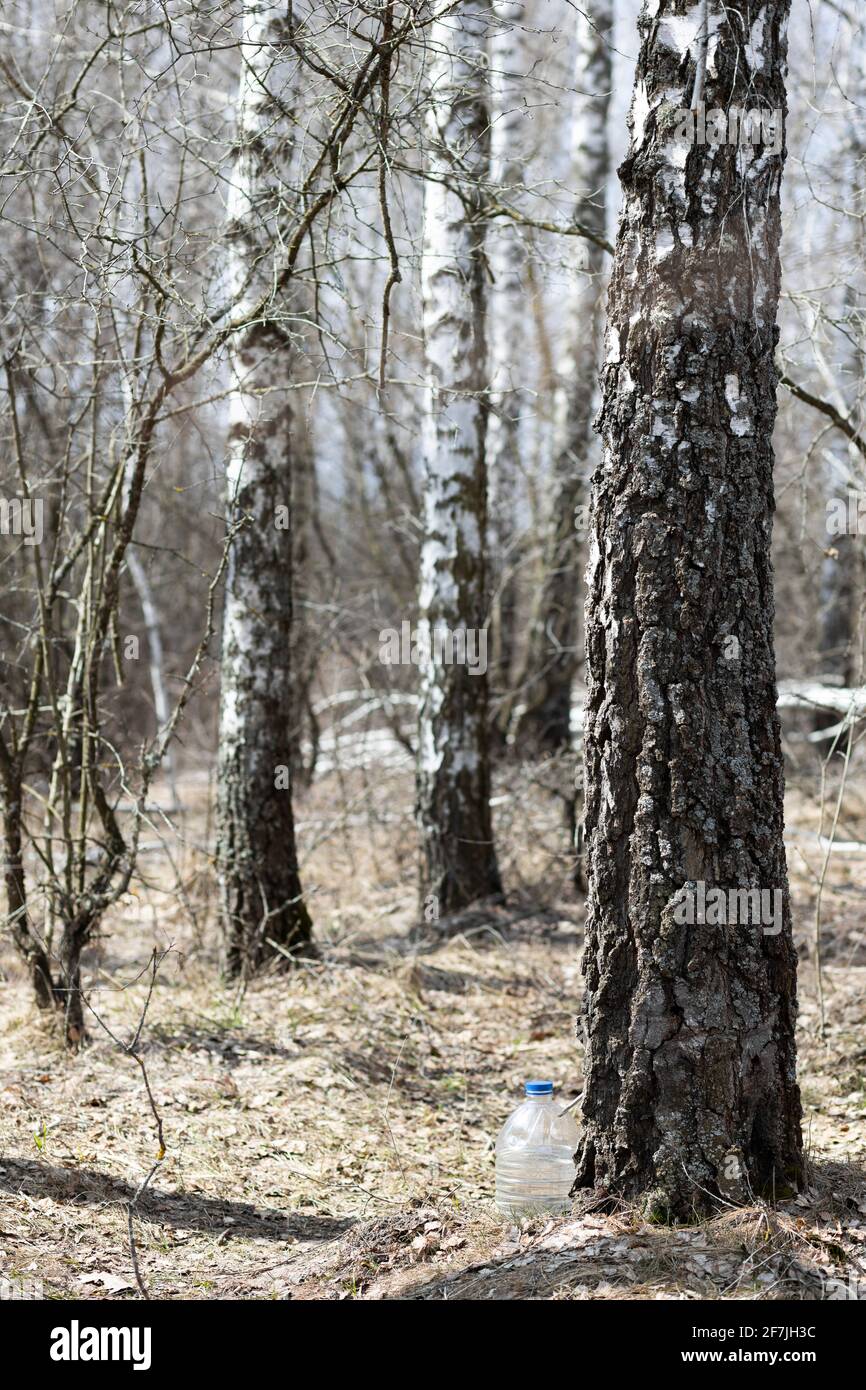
[(535, 1158)]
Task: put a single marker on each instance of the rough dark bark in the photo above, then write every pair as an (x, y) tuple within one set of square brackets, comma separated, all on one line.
[(690, 1086), (552, 657)]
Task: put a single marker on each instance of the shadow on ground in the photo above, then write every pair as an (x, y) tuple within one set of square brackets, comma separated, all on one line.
[(180, 1210), (227, 1044), (488, 924)]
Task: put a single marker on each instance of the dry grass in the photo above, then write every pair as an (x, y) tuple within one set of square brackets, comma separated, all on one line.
[(330, 1133)]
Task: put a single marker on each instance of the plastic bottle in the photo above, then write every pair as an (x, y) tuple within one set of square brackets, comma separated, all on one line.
[(535, 1155)]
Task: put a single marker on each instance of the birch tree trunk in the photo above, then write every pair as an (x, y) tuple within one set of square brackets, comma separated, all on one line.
[(264, 914), (843, 570), (552, 653), (305, 639), (840, 596), (156, 665), (453, 778), (507, 327), (690, 1088)]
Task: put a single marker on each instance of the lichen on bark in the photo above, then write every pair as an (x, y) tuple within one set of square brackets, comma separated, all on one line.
[(690, 1087)]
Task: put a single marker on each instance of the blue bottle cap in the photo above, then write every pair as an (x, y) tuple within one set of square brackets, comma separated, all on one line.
[(539, 1088)]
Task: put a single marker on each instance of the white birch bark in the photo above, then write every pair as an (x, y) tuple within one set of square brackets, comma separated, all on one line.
[(552, 656), (459, 863), (506, 257), (840, 614), (260, 888), (150, 613), (156, 664)]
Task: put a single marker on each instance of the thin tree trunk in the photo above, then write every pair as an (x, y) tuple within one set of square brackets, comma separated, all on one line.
[(507, 327), (840, 601), (453, 786), (552, 655), (69, 989), (263, 910), (690, 1088), (27, 945), (153, 629)]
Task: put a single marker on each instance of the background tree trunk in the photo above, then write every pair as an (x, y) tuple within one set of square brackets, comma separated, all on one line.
[(690, 1088), (304, 629), (153, 629), (552, 655), (840, 600), (259, 882), (509, 400), (453, 780), (840, 638)]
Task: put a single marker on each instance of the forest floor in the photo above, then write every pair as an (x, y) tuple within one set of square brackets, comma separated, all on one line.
[(329, 1133)]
